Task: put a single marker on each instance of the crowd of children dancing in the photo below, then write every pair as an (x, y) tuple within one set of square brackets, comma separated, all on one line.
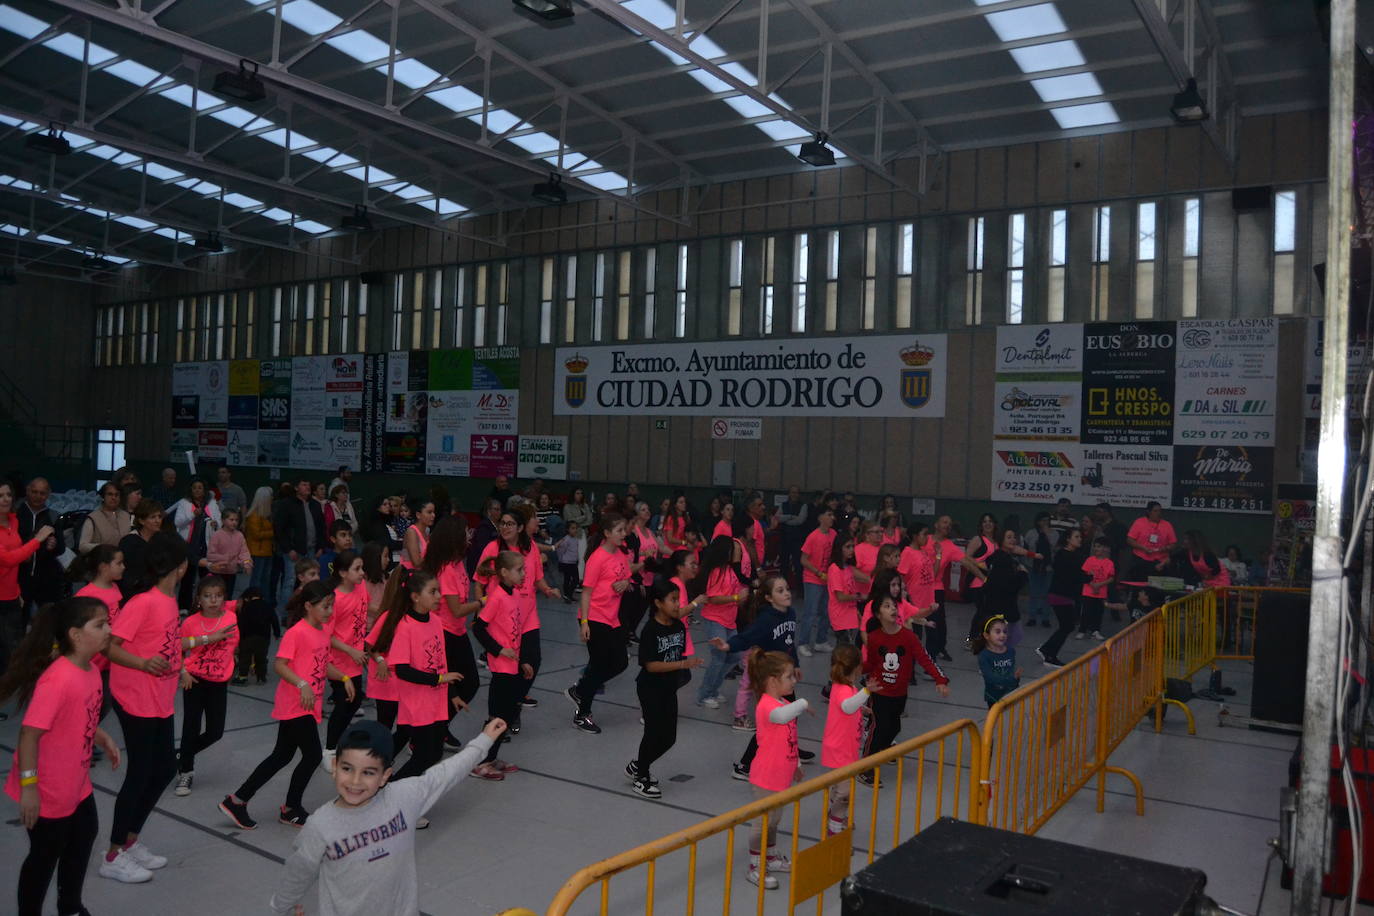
[(389, 619)]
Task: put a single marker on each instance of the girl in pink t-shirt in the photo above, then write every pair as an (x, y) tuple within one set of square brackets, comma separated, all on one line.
[(208, 639), (499, 629), (444, 561), (104, 568), (50, 777), (604, 584), (724, 593), (843, 727), (145, 656), (416, 538), (844, 595), (347, 628), (303, 666), (776, 765)]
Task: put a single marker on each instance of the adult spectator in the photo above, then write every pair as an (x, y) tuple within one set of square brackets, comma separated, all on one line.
[(1151, 540), (550, 522), (231, 495), (107, 523), (757, 531), (631, 501), (1111, 529), (165, 491), (1088, 526), (130, 494), (41, 580), (257, 531), (345, 477), (339, 508), (123, 477), (382, 528), (791, 517), (195, 517), (1063, 521), (501, 491), (1203, 566), (295, 535), (134, 546), (483, 534), (1235, 565), (16, 550)]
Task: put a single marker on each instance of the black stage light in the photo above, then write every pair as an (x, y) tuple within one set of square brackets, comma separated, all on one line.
[(211, 243), (358, 220), (548, 10), (816, 153), (1188, 106), (243, 85), (551, 191), (51, 142)]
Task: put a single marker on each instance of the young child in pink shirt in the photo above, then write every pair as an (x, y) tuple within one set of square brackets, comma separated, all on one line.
[(1102, 573), (208, 639), (776, 766), (227, 553)]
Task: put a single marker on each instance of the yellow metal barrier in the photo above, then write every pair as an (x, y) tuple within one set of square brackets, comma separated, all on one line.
[(936, 775), (1190, 634)]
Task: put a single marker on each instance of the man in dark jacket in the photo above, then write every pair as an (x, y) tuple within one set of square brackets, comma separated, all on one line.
[(483, 535), (296, 532), (40, 577)]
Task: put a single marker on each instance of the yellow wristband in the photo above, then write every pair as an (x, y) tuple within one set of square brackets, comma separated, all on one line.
[(28, 781), (346, 679)]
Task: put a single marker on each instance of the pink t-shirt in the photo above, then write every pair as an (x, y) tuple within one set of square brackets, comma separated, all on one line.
[(775, 764), (453, 583), (949, 552), (306, 650), (213, 661), (682, 601), (840, 746), (760, 540), (111, 597), (648, 547), (348, 625), (1158, 535), (918, 575), (895, 536), (1101, 569), (816, 548), (844, 615), (424, 545), (534, 571), (1199, 563), (720, 583), (66, 706), (379, 688), (150, 624), (420, 644), (502, 616), (722, 530), (866, 557), (604, 569)]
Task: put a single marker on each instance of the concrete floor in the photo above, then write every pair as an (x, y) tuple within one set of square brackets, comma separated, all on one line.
[(1211, 802)]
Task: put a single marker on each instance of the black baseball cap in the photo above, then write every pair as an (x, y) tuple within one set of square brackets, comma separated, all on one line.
[(370, 736)]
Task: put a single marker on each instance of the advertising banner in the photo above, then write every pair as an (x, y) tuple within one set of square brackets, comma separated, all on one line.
[(1037, 412), (542, 456), (1125, 475), (1226, 389), (1128, 383), (897, 376), (1231, 478), (1295, 521)]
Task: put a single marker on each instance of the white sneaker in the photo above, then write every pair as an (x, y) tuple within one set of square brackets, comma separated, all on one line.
[(1097, 635), (146, 857), (183, 788), (823, 647), (776, 862), (123, 868), (834, 826), (769, 882), (804, 651), (710, 703), (1080, 635), (327, 761)]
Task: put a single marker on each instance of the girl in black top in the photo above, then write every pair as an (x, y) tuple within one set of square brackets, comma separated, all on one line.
[(664, 670), (1006, 577), (1066, 587)]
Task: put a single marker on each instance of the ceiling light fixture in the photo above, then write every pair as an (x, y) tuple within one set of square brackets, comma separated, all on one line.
[(1188, 106), (243, 85), (816, 153), (51, 142), (211, 243), (97, 261), (358, 220), (548, 10), (551, 191)]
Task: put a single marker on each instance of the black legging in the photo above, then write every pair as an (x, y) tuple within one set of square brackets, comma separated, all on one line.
[(887, 721), (387, 711), (205, 699), (937, 636), (426, 748), (342, 714), (503, 702), (298, 734), (606, 658), (633, 604), (61, 844), (150, 752), (981, 612), (458, 654), (659, 705), (532, 655), (1067, 615)]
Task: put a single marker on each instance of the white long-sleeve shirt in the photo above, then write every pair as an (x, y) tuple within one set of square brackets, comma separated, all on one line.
[(781, 715), (364, 857)]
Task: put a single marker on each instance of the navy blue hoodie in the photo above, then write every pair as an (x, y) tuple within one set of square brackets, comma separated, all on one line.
[(772, 631)]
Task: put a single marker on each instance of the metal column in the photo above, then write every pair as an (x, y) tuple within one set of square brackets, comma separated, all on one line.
[(1323, 648)]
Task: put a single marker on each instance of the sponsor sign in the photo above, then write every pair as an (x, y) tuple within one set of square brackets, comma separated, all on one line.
[(1044, 349), (542, 456), (1226, 388), (1125, 475), (1128, 383), (737, 428), (1037, 474), (1037, 411), (1295, 522), (185, 411), (212, 444), (274, 448), (492, 455), (1231, 478), (242, 447), (896, 376)]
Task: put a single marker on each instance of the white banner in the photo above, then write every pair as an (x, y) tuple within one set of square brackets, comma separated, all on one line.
[(1037, 411), (896, 376), (542, 456), (1125, 475), (1226, 385), (1040, 348), (460, 422)]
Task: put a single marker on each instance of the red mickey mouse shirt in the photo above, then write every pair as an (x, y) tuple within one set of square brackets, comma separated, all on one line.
[(891, 658), (420, 644), (212, 661), (150, 624), (66, 707), (306, 650)]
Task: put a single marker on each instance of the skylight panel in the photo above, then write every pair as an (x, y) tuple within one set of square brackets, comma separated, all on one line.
[(329, 156), (167, 232), (278, 137), (1052, 55), (783, 130), (372, 174), (310, 18), (276, 213), (133, 72), (309, 225), (411, 73), (606, 181), (11, 229), (1026, 22), (21, 24), (161, 172), (242, 201), (17, 122), (364, 47), (116, 258), (71, 46), (1073, 86), (456, 98), (448, 207), (52, 239), (136, 222), (1085, 115), (182, 94), (235, 116), (537, 143), (411, 192)]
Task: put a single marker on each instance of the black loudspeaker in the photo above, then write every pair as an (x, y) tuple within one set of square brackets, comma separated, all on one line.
[(371, 277), (1248, 200), (1280, 682), (957, 869)]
